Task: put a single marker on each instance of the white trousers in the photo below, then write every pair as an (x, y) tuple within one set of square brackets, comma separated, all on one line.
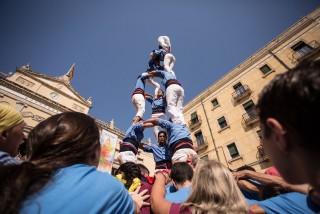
[(124, 157), (139, 104), (168, 63), (174, 97), (183, 155), (156, 128)]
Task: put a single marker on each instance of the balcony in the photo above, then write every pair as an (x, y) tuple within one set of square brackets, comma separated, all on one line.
[(241, 92), (250, 118), (193, 123), (202, 144), (261, 155), (310, 51)]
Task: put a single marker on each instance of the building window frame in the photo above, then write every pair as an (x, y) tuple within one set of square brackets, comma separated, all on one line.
[(223, 123), (199, 138), (233, 151), (194, 118), (215, 103), (266, 70)]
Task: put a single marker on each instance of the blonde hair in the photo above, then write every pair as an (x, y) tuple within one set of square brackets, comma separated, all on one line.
[(214, 190)]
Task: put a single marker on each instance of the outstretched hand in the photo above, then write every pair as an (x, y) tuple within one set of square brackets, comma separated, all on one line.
[(139, 198)]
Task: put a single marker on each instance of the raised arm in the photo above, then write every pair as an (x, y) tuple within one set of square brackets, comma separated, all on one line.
[(158, 202)]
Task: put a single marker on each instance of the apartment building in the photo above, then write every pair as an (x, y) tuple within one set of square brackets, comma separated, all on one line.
[(222, 120)]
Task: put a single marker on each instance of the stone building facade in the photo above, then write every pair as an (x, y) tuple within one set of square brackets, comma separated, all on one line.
[(222, 120), (38, 96)]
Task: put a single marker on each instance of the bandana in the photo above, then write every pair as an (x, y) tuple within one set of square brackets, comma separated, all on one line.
[(9, 117)]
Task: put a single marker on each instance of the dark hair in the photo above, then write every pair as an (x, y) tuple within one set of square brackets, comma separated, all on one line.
[(245, 167), (59, 141), (143, 168), (271, 190), (130, 171), (181, 172), (293, 98), (163, 132)]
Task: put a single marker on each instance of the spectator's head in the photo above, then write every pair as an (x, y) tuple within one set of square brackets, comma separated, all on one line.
[(11, 129), (144, 170), (214, 188), (60, 141), (288, 108), (74, 136), (162, 138), (181, 172), (129, 171)]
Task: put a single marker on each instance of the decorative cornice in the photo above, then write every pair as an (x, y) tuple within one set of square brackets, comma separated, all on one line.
[(31, 74), (27, 92), (106, 126)]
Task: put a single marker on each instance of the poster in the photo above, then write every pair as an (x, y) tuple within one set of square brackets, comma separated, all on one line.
[(108, 142)]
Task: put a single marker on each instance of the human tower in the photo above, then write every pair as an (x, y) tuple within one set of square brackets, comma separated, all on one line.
[(160, 65)]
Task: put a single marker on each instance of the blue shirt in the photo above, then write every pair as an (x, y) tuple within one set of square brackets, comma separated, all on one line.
[(141, 81), (175, 131), (165, 76), (159, 53), (80, 189), (157, 103), (160, 153), (179, 196), (292, 202), (134, 132), (6, 159)]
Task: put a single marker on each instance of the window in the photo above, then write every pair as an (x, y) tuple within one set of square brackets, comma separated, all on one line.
[(249, 107), (194, 118), (234, 153), (199, 138), (222, 122), (206, 157), (259, 133), (239, 88), (302, 48), (215, 103), (265, 69)]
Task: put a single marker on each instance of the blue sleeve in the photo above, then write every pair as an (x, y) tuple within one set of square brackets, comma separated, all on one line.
[(149, 99), (148, 148), (159, 73), (164, 124)]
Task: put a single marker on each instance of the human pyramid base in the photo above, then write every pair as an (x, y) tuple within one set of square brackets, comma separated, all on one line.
[(176, 142)]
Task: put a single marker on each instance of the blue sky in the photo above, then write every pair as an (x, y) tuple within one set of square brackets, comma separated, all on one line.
[(110, 42)]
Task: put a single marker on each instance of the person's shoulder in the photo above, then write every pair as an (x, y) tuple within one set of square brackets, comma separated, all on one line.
[(177, 208)]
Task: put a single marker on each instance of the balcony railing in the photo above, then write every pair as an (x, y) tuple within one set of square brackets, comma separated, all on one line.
[(261, 154), (201, 144), (195, 122), (300, 55), (241, 92), (250, 118)]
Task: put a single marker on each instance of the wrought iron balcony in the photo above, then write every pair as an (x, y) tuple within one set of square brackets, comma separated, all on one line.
[(241, 92), (298, 56), (261, 154), (193, 123), (250, 118), (203, 144)]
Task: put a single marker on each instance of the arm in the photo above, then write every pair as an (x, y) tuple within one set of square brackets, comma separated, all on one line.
[(255, 208), (248, 186), (270, 179), (158, 203)]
